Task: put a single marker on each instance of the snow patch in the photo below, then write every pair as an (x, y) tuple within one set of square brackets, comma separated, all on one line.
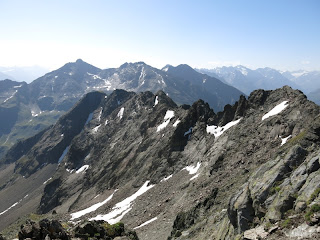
[(142, 76), (69, 170), (169, 115), (100, 113), (17, 86), (120, 113), (163, 125), (63, 154), (13, 205), (146, 223), (91, 209), (45, 182), (217, 131), (243, 70), (284, 140), (167, 118), (156, 101), (82, 169), (94, 130), (35, 114), (194, 177), (192, 169), (10, 97), (106, 122), (166, 178), (298, 73), (276, 110), (123, 207), (176, 123)]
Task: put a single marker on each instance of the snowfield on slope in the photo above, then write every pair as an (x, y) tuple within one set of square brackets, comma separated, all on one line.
[(176, 123), (91, 209), (146, 223), (169, 115), (276, 110), (83, 169), (218, 131), (120, 113), (192, 169), (284, 140), (13, 205), (123, 207), (95, 129), (156, 101)]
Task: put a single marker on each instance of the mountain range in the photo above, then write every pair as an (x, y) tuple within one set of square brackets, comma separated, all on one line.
[(172, 171), (247, 80), (30, 108)]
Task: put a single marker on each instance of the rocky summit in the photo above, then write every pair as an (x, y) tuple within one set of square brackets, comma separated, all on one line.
[(171, 171)]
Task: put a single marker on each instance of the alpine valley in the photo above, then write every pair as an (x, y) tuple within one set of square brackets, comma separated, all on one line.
[(145, 158)]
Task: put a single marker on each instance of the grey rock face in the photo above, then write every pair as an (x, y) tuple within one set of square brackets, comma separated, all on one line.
[(182, 171)]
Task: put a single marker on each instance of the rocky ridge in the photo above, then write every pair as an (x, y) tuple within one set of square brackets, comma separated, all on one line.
[(30, 108), (183, 172)]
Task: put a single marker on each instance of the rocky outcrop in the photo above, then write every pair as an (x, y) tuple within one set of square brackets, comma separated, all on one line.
[(103, 230), (45, 229)]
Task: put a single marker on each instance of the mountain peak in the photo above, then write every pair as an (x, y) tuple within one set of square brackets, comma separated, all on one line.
[(135, 64), (79, 61), (140, 63), (80, 66), (185, 67)]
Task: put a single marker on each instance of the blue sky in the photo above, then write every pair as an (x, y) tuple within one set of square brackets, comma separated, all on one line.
[(280, 34)]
